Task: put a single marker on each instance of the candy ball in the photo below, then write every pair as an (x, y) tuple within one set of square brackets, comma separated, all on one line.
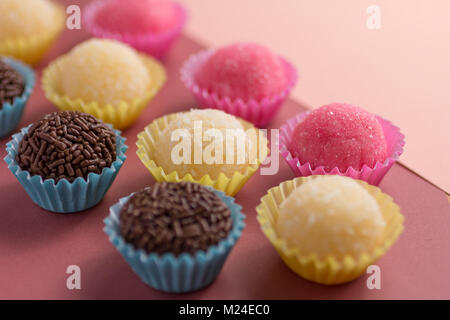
[(243, 70), (67, 145), (104, 71), (331, 215), (137, 16), (12, 84), (175, 217), (26, 18), (339, 135), (197, 126)]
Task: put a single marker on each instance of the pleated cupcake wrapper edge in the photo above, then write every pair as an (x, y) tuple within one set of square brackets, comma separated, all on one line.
[(65, 197), (120, 116), (328, 270), (394, 138), (168, 272), (154, 44), (149, 136), (11, 114), (259, 113), (31, 49)]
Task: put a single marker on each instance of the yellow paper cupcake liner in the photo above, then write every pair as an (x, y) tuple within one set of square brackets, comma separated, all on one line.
[(328, 271), (121, 115), (147, 143), (31, 49)]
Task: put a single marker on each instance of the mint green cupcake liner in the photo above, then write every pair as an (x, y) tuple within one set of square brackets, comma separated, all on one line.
[(176, 274), (11, 114), (65, 197)]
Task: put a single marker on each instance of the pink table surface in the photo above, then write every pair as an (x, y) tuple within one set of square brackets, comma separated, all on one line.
[(36, 246)]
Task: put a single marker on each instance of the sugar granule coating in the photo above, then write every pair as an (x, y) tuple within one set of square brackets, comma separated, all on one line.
[(243, 70), (25, 18), (137, 16), (182, 217), (339, 135), (12, 84), (67, 145), (104, 71), (205, 120), (331, 215)]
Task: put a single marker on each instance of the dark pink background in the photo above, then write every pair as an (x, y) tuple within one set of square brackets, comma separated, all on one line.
[(37, 246)]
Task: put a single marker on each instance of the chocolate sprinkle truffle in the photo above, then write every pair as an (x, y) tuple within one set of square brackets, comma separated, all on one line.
[(67, 145), (173, 217), (12, 84)]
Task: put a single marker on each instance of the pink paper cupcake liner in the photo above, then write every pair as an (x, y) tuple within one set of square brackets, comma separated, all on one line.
[(259, 113), (395, 141), (155, 44)]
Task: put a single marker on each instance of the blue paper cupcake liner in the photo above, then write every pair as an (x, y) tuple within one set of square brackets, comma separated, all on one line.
[(65, 197), (11, 114), (176, 274)]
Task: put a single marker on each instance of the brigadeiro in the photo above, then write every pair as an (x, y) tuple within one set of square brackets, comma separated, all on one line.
[(67, 145), (175, 235), (12, 84), (184, 218), (64, 157), (341, 139), (16, 85), (244, 79)]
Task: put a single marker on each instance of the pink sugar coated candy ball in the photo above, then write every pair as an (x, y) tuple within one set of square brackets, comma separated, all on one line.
[(137, 16), (339, 135), (243, 70)]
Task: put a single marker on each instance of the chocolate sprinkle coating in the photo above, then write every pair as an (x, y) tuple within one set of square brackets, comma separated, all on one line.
[(12, 84), (173, 217), (67, 145)]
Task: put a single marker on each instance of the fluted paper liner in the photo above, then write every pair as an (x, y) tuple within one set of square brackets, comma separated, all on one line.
[(31, 49), (259, 113), (147, 143), (155, 44), (65, 197), (170, 273), (395, 142), (329, 270), (11, 114), (120, 116)]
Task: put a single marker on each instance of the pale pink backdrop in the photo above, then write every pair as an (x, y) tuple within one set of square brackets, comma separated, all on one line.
[(401, 71)]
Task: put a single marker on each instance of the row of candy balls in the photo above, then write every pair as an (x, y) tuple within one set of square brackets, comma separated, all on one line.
[(110, 77)]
